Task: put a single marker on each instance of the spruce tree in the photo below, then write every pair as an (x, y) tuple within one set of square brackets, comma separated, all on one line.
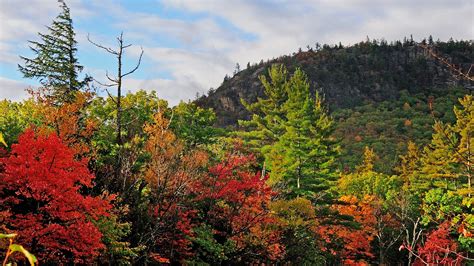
[(55, 64)]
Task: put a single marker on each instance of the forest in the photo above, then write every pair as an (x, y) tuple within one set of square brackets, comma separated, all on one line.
[(127, 179)]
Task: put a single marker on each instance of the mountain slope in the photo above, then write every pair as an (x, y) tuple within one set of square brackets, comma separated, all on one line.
[(367, 72)]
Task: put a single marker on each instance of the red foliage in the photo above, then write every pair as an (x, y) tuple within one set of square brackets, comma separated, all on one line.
[(40, 186), (439, 248), (238, 206)]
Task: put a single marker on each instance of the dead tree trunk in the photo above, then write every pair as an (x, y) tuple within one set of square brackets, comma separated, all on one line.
[(117, 81)]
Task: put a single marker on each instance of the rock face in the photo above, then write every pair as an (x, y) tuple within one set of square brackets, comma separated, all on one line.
[(348, 77)]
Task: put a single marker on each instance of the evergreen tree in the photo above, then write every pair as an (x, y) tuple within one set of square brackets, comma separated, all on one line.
[(55, 64), (267, 123), (291, 129), (306, 149)]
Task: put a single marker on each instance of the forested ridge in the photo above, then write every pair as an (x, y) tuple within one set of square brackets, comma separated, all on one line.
[(358, 155)]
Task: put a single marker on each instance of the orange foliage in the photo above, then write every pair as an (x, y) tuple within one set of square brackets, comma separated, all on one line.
[(69, 120), (356, 242), (170, 174)]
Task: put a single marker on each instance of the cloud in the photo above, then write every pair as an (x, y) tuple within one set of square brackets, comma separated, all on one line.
[(191, 45), (13, 90)]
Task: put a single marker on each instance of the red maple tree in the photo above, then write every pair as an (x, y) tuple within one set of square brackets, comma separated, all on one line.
[(237, 200), (439, 248), (40, 189)]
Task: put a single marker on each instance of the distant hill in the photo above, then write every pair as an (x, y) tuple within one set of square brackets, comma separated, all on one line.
[(367, 72)]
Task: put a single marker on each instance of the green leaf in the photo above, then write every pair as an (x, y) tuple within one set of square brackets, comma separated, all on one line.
[(7, 235), (31, 258)]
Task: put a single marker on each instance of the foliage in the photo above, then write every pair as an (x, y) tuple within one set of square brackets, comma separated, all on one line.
[(448, 158), (296, 219), (439, 248), (15, 117), (41, 185), (186, 192), (388, 126), (193, 124), (234, 202)]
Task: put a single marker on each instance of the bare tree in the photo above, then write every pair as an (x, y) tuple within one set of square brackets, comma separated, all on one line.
[(117, 82)]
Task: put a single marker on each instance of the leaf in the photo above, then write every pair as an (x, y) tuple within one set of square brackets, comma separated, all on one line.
[(7, 235), (2, 140), (31, 258)]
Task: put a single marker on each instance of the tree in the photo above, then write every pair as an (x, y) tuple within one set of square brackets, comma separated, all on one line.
[(292, 130), (169, 174), (296, 219), (117, 81), (55, 64), (193, 124), (306, 149), (40, 188), (233, 202), (409, 164), (355, 238), (449, 155), (438, 249), (266, 125), (366, 181)]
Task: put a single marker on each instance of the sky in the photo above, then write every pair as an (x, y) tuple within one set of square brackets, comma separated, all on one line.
[(189, 46)]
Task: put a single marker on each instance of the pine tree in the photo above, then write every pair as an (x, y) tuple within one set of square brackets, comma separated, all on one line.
[(268, 118), (55, 64), (291, 130), (307, 151)]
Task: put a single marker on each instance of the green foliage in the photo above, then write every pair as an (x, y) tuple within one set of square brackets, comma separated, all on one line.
[(447, 160), (207, 246), (15, 117), (366, 181), (440, 205), (114, 232), (296, 217), (266, 125), (388, 126), (194, 124), (137, 110)]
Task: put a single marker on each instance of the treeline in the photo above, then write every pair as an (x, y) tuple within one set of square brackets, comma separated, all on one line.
[(171, 188)]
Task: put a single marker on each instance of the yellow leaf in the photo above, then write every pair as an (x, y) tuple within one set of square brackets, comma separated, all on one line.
[(31, 258), (2, 140)]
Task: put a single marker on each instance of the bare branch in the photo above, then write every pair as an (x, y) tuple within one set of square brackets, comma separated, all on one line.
[(110, 96), (109, 50), (104, 84), (137, 66), (109, 78)]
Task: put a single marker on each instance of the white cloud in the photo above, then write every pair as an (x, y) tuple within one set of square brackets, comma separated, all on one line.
[(197, 53), (13, 90)]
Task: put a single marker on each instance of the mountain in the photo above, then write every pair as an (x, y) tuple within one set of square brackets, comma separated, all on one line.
[(367, 72)]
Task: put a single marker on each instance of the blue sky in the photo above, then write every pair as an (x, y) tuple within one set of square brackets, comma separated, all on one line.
[(191, 45)]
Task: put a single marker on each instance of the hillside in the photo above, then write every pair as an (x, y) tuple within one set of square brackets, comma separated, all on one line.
[(369, 71)]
